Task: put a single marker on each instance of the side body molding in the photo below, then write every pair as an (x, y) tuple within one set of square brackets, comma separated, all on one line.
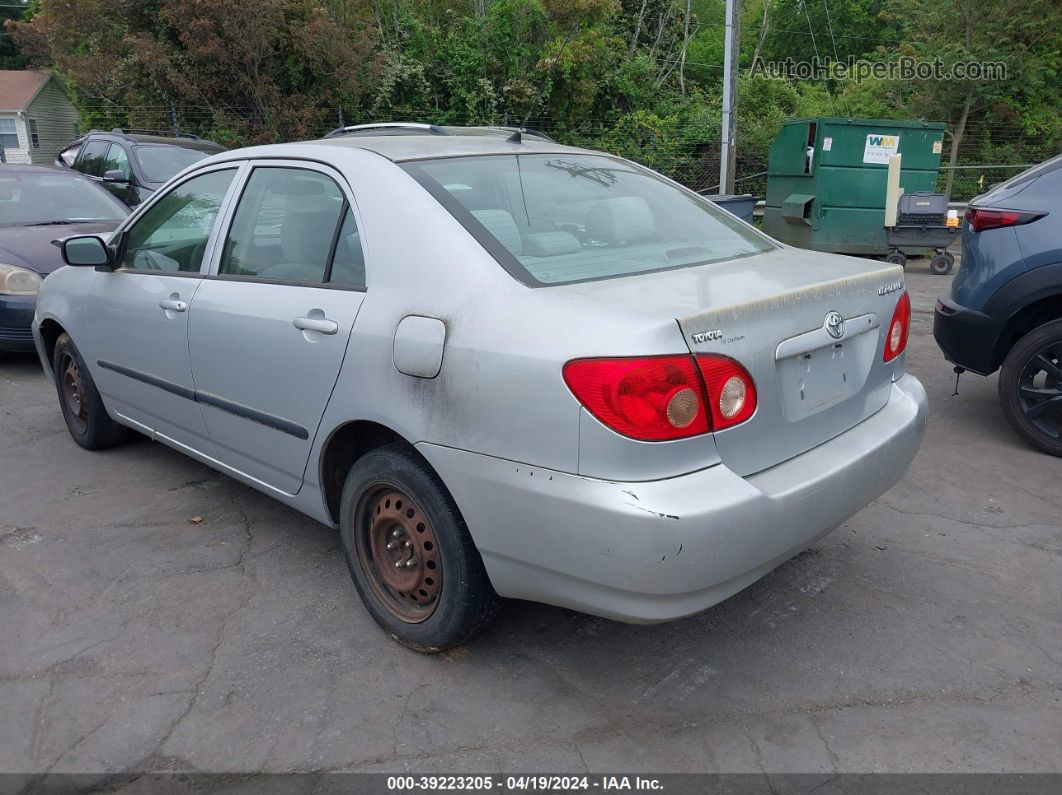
[(418, 348)]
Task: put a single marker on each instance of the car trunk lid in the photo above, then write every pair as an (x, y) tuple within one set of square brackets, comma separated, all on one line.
[(774, 314)]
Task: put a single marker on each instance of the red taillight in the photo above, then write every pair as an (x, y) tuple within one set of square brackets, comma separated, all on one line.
[(657, 398), (899, 329), (731, 393), (981, 219)]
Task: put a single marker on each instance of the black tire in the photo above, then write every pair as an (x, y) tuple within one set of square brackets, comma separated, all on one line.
[(464, 600), (1030, 388), (941, 264), (897, 258), (86, 418)]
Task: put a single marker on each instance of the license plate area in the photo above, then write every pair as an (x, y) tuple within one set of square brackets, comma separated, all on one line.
[(816, 379), (812, 379)]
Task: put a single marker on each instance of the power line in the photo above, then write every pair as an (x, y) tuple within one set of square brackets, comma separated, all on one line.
[(844, 95)]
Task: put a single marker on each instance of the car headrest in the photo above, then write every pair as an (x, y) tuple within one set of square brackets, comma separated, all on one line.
[(307, 230), (623, 219), (551, 244), (290, 185), (501, 224)]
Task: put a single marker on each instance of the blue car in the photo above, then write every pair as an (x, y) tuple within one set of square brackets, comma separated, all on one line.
[(37, 205), (1005, 307)]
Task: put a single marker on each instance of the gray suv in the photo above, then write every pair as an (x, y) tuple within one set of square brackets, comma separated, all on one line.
[(133, 164)]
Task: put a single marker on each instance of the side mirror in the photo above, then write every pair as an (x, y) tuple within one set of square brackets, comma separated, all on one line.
[(115, 175), (86, 251)]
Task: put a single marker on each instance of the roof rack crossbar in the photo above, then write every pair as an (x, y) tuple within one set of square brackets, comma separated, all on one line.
[(160, 133), (354, 129)]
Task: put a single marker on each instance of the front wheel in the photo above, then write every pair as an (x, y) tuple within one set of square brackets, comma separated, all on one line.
[(1030, 388), (410, 554), (86, 418)]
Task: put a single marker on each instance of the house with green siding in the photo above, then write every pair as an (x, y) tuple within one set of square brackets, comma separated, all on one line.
[(36, 117)]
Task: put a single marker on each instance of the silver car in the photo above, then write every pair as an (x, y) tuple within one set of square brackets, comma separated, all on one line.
[(498, 365)]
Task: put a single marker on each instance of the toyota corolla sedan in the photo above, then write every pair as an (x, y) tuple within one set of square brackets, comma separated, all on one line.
[(497, 365)]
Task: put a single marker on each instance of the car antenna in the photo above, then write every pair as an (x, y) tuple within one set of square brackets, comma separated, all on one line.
[(515, 138)]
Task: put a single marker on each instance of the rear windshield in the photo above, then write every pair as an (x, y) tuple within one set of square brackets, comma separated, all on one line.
[(558, 219), (159, 163)]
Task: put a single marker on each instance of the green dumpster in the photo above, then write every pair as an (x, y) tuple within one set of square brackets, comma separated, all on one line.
[(826, 180)]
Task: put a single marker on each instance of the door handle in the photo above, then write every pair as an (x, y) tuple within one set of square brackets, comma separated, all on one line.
[(173, 305), (321, 325)]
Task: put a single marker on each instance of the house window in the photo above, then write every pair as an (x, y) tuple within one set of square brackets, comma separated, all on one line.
[(34, 138), (8, 134)]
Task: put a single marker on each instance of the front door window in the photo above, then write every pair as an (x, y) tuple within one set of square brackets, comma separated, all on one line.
[(172, 235)]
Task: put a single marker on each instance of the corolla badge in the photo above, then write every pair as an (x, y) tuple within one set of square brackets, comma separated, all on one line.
[(834, 325)]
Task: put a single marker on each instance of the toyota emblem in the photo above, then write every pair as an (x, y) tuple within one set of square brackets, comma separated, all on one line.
[(835, 325)]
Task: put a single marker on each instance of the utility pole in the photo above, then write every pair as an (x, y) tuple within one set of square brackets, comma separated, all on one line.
[(731, 53)]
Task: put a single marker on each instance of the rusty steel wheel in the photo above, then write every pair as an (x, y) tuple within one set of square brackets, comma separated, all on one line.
[(409, 552), (399, 553), (83, 410), (73, 392)]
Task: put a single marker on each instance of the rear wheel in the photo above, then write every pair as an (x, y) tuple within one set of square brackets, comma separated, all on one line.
[(1030, 388), (410, 554), (86, 418)]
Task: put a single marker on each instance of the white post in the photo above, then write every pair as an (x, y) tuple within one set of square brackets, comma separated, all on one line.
[(893, 191), (731, 52)]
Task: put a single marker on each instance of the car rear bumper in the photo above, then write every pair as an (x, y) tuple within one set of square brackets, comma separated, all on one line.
[(659, 550), (16, 322), (967, 337)]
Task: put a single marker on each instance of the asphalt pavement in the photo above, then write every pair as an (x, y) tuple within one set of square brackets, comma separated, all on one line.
[(156, 615)]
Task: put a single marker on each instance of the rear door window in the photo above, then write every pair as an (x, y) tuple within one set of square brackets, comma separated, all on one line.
[(92, 156), (288, 225), (348, 263)]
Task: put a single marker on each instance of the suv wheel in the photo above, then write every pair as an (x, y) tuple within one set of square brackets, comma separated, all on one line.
[(1030, 388), (409, 553)]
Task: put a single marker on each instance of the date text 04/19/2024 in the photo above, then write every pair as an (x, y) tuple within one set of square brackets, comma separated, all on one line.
[(525, 783)]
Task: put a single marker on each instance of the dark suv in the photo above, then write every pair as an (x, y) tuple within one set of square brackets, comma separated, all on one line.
[(133, 164), (1005, 307)]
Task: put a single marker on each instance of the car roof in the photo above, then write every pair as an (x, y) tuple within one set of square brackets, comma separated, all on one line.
[(185, 143), (145, 138), (403, 148)]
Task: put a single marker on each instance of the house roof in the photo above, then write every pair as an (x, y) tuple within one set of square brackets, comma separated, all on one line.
[(18, 88)]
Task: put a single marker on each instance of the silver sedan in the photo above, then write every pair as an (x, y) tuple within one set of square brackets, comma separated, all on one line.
[(498, 365)]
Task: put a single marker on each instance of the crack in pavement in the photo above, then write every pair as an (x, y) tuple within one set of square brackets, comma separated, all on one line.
[(834, 759), (197, 688)]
